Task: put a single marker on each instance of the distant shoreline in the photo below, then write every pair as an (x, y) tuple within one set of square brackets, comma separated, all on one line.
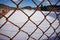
[(43, 8)]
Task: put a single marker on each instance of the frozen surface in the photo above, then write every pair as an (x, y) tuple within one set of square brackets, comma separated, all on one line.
[(19, 18)]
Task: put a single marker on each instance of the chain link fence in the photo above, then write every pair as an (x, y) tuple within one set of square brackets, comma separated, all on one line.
[(32, 21)]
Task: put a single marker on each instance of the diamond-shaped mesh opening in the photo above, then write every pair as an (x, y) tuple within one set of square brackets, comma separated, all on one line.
[(44, 25), (30, 20), (51, 17), (37, 17), (18, 18), (29, 26)]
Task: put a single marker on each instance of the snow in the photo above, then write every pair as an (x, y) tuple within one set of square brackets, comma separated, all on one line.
[(19, 18)]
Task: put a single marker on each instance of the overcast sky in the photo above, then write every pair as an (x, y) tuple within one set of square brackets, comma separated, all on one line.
[(27, 2)]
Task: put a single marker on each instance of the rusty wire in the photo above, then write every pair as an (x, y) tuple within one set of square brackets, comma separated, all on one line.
[(29, 35)]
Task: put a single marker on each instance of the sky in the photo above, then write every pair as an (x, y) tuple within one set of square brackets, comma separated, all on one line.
[(27, 2)]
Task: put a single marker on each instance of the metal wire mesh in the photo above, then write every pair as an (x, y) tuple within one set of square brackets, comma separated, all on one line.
[(29, 19)]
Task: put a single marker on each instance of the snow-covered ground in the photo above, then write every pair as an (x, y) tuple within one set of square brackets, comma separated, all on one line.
[(19, 18)]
